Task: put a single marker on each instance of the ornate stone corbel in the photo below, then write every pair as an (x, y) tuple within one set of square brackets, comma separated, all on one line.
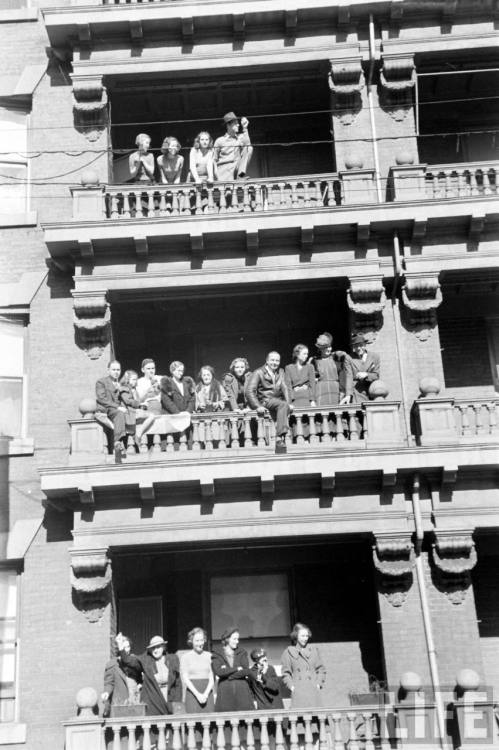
[(393, 556), (454, 556), (91, 582), (89, 106), (366, 299), (397, 78), (346, 81), (421, 296), (91, 319)]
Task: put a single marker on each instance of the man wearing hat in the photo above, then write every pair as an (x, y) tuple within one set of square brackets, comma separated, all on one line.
[(364, 366), (233, 151), (265, 682), (161, 684)]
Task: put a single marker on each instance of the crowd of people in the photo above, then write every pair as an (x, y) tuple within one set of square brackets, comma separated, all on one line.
[(330, 378), (223, 680), (226, 159)]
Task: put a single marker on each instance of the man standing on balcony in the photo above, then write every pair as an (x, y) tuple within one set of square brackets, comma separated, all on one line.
[(233, 151), (107, 391), (267, 391), (364, 366)]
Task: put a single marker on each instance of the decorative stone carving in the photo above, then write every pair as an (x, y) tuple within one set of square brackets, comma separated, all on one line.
[(397, 78), (366, 299), (346, 81), (90, 108), (454, 556), (91, 318), (421, 296), (91, 581), (393, 557)]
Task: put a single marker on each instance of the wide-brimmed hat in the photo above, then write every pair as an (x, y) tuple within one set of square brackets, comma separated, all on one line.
[(230, 117), (257, 654), (324, 340), (358, 339), (155, 641)]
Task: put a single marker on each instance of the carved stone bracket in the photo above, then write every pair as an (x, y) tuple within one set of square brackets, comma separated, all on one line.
[(366, 299), (90, 108), (346, 81), (454, 556), (397, 78), (91, 582), (421, 296), (91, 319), (393, 556)]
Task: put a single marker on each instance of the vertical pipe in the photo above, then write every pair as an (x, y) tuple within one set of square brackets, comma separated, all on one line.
[(397, 262), (417, 104), (372, 53), (430, 644)]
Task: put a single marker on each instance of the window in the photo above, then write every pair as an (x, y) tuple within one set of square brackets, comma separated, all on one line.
[(14, 164), (12, 377), (8, 634)]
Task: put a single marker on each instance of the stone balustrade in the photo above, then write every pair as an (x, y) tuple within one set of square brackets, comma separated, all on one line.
[(443, 181), (444, 420)]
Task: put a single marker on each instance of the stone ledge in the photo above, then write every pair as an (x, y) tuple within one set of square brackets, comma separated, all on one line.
[(21, 447), (12, 734), (29, 218), (18, 14)]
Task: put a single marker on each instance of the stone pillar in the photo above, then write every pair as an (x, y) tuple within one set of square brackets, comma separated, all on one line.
[(401, 619), (91, 578), (92, 322)]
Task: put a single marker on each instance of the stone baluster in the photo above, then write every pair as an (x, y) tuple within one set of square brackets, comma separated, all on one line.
[(461, 182), (222, 439), (260, 431), (465, 419), (368, 730), (114, 206), (246, 198), (210, 206), (473, 182), (486, 182), (338, 741), (323, 743), (264, 733), (309, 737), (279, 735), (479, 425), (250, 737), (326, 437), (312, 433), (161, 744), (352, 426), (248, 442), (299, 429), (127, 205), (146, 736), (156, 444), (329, 198), (185, 202), (223, 199), (338, 421), (235, 742), (131, 736), (198, 195), (220, 734), (177, 743), (175, 201), (294, 193), (170, 443), (353, 743), (492, 410), (259, 197), (182, 442), (314, 197), (206, 741), (306, 196), (116, 738), (191, 735), (150, 203), (162, 203), (196, 445), (234, 433), (130, 446), (208, 438), (293, 734), (282, 194)]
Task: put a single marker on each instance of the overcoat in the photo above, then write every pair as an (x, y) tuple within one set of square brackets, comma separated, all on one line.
[(233, 690), (107, 393), (371, 365), (172, 401), (303, 670), (236, 390), (267, 692), (115, 685), (151, 693)]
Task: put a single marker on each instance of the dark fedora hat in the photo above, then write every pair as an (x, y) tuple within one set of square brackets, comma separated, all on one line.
[(358, 339), (230, 117)]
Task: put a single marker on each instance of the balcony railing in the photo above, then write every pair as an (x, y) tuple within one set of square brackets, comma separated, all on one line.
[(444, 181), (443, 420)]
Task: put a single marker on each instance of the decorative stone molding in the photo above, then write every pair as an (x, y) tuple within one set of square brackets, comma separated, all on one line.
[(454, 556), (421, 296), (90, 108), (91, 319), (397, 78), (91, 581), (366, 299), (346, 81), (393, 556)]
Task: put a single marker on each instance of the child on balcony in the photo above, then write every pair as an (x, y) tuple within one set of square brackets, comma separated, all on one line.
[(135, 411), (170, 162), (141, 163)]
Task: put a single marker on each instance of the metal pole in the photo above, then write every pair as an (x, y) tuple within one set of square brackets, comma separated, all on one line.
[(397, 262), (372, 52)]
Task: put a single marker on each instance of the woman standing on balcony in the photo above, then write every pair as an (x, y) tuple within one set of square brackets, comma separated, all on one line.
[(300, 379), (210, 393), (197, 675), (201, 164), (170, 162), (230, 664), (141, 163), (303, 671), (327, 374), (235, 382)]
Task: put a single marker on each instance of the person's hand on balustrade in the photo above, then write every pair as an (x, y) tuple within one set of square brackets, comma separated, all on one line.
[(345, 400), (360, 375), (313, 404), (261, 410), (104, 697)]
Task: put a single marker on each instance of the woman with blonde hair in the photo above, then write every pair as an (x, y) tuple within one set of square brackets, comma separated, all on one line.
[(197, 675)]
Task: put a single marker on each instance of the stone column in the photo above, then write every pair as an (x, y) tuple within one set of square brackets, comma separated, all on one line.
[(92, 321)]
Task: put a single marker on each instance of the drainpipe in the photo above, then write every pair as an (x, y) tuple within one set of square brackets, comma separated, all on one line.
[(398, 271), (430, 644), (372, 55)]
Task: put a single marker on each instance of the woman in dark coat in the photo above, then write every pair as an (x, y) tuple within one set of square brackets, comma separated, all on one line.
[(121, 682), (160, 674), (265, 683), (230, 664), (235, 382), (300, 379)]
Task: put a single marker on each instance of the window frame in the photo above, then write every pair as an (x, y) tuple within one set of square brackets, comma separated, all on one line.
[(23, 322), (16, 567)]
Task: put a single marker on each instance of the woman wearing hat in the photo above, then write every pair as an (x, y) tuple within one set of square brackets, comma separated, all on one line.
[(230, 664), (160, 675), (327, 374)]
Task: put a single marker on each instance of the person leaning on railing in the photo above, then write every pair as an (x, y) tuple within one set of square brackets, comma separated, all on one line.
[(177, 390), (210, 393), (107, 393), (267, 390), (364, 366), (235, 382)]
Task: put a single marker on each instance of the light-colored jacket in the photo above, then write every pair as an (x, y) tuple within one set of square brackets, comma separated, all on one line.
[(304, 673)]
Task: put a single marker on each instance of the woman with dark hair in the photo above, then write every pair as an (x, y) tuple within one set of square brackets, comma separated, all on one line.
[(121, 681), (210, 393), (170, 162), (235, 382), (302, 669), (230, 664), (300, 378), (197, 675), (327, 374), (201, 164)]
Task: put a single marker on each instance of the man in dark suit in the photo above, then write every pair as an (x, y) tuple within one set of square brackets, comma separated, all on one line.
[(266, 390), (177, 391), (364, 366), (107, 391)]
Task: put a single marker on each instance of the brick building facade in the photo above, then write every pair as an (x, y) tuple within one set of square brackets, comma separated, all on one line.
[(370, 206)]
